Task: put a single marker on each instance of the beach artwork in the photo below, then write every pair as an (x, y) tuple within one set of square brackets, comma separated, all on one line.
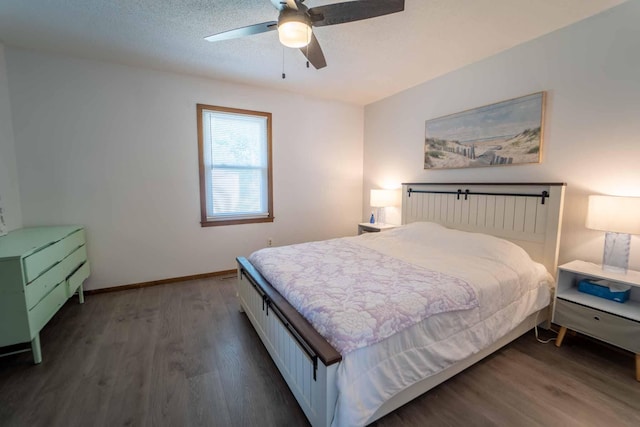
[(504, 133)]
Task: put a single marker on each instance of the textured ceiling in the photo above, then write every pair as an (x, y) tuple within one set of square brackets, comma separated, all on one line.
[(367, 60)]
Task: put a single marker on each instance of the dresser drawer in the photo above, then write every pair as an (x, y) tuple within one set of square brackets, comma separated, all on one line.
[(607, 327), (75, 280), (73, 241), (73, 261), (41, 286), (40, 261), (46, 308), (37, 263)]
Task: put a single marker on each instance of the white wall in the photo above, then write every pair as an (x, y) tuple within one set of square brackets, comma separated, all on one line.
[(9, 191), (114, 148), (591, 72)]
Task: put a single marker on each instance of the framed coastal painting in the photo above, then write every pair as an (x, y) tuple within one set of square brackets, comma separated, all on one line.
[(505, 133)]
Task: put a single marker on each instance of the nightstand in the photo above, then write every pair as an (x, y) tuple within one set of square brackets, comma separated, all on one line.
[(613, 322), (366, 227)]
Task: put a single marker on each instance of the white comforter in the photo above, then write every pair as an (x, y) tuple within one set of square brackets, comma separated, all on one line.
[(508, 284), (355, 296)]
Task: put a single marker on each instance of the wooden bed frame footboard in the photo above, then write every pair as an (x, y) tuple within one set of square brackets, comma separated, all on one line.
[(307, 362)]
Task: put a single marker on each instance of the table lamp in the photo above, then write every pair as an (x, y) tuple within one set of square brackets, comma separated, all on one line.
[(619, 217), (381, 199)]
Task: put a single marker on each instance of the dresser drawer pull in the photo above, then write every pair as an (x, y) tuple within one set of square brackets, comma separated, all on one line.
[(596, 318)]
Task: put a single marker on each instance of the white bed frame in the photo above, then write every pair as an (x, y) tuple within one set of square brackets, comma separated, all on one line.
[(526, 214)]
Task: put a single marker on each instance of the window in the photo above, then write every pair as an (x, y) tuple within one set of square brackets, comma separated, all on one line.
[(235, 166)]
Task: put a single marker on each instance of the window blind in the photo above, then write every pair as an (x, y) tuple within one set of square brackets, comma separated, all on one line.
[(236, 158)]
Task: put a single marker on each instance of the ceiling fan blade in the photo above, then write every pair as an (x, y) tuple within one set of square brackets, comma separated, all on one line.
[(282, 4), (244, 31), (339, 13), (314, 54)]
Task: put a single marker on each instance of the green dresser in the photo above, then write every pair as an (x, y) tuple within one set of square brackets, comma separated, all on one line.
[(40, 268)]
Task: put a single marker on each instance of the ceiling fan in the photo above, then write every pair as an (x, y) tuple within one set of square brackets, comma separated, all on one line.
[(295, 21)]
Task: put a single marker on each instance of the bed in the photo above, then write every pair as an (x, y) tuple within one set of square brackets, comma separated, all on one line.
[(355, 371)]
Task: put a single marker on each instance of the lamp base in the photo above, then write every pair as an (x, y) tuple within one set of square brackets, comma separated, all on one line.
[(616, 252), (380, 216)]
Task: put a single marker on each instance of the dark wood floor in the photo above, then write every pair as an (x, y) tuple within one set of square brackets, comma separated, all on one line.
[(183, 355)]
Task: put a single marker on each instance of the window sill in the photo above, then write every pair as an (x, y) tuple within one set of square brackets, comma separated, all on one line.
[(235, 221)]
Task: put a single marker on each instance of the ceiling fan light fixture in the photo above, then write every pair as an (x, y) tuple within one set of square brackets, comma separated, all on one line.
[(294, 33), (295, 21)]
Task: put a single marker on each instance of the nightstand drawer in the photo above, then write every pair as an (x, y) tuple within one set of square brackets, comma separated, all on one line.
[(613, 329)]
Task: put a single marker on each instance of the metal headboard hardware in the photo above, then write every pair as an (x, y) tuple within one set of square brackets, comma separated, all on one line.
[(466, 193)]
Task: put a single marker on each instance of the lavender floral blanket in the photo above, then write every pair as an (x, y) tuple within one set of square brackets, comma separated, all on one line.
[(355, 296)]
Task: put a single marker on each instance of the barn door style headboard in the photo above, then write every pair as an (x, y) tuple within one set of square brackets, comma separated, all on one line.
[(527, 214)]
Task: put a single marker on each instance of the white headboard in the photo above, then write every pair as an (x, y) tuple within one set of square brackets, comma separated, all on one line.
[(529, 215)]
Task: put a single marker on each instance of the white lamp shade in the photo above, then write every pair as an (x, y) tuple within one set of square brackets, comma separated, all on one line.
[(383, 198), (615, 214), (294, 34)]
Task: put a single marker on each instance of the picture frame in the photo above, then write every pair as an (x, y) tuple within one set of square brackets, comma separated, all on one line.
[(504, 133)]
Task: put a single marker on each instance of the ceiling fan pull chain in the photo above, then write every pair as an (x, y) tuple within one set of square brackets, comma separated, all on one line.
[(284, 76), (307, 55)]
